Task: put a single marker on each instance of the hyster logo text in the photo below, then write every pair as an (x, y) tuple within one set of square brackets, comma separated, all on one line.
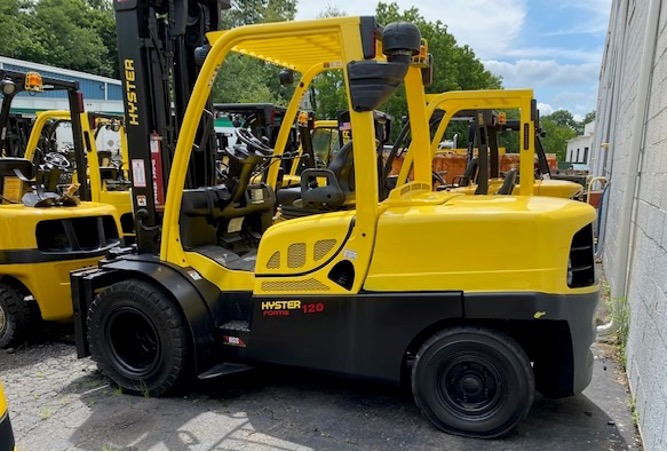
[(278, 305), (131, 92)]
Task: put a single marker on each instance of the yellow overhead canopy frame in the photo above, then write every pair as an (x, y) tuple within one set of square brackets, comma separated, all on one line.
[(297, 51)]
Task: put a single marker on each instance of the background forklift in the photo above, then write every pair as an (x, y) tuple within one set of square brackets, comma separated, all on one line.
[(46, 230), (107, 177), (214, 288), (483, 172), (6, 432)]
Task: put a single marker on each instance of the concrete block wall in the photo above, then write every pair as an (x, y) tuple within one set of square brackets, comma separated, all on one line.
[(646, 295)]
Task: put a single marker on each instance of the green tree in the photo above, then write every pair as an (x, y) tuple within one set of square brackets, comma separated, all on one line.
[(556, 136), (14, 28), (72, 34), (563, 118), (244, 12), (589, 117), (242, 78)]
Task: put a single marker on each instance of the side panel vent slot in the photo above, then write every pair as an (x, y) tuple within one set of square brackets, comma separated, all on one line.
[(275, 260), (322, 247), (297, 255), (581, 271)]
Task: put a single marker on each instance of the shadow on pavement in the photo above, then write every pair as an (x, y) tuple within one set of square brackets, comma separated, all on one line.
[(55, 337), (287, 410)]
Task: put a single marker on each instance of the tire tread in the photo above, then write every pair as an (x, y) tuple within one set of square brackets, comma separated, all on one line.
[(496, 335), (18, 314), (175, 324)]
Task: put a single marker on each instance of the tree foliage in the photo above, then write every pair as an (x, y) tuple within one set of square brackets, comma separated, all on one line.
[(244, 79), (557, 133), (73, 34), (244, 12)]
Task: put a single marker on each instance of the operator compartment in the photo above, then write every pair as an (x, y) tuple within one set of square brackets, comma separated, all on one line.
[(225, 222)]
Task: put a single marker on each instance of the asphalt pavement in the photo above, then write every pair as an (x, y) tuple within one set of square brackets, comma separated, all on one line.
[(58, 402)]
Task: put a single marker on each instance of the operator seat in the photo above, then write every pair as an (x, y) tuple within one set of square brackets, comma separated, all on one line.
[(14, 168), (309, 198), (469, 173), (508, 183)]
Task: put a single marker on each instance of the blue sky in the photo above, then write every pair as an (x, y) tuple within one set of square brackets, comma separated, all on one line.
[(552, 46)]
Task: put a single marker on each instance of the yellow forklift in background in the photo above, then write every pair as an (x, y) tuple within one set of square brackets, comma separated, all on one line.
[(107, 171), (482, 174), (365, 291), (487, 125), (45, 230), (6, 432)]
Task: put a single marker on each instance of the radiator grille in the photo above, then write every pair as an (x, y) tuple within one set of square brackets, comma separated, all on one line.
[(292, 286)]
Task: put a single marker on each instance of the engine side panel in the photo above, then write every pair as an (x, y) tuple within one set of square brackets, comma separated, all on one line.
[(479, 244), (365, 336)]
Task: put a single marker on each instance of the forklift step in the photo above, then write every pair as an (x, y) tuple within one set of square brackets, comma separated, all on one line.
[(224, 369), (239, 326)]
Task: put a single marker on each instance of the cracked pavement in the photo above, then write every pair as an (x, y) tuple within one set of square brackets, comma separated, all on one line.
[(58, 402)]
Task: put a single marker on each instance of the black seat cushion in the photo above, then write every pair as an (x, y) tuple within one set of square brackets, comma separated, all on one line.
[(286, 196)]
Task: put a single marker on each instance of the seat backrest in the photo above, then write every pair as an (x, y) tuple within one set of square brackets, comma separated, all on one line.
[(469, 172), (508, 183), (343, 167), (9, 164), (13, 175)]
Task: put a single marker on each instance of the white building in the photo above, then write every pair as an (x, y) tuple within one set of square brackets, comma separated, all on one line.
[(630, 151), (578, 149)]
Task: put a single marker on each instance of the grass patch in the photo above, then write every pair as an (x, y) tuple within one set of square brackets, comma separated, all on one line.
[(44, 413), (621, 316)]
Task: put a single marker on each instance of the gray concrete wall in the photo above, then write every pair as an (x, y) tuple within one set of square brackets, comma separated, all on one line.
[(616, 111)]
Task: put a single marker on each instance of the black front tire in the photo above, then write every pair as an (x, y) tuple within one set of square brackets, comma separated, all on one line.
[(139, 338), (15, 315), (473, 382)]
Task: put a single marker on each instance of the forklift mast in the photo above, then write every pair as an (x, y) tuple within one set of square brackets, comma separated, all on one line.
[(161, 44), (14, 82)]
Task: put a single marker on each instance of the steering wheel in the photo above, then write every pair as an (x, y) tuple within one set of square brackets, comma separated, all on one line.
[(57, 160), (253, 142)]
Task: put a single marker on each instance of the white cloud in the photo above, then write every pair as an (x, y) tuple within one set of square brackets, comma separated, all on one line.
[(489, 28), (545, 109), (547, 73)]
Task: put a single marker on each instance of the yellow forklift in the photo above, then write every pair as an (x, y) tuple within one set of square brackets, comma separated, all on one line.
[(480, 107), (6, 432), (214, 288), (107, 174), (46, 230)]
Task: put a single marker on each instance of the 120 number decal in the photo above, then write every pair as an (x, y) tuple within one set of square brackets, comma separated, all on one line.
[(313, 308)]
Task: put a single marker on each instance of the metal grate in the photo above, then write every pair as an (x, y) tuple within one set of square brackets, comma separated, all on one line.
[(291, 286), (275, 260), (581, 271), (322, 247), (297, 255)]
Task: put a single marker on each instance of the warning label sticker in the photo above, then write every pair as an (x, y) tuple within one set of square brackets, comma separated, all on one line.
[(138, 174)]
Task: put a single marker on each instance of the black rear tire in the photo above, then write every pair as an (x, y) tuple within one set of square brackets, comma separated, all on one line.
[(15, 315), (473, 382), (139, 338)]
